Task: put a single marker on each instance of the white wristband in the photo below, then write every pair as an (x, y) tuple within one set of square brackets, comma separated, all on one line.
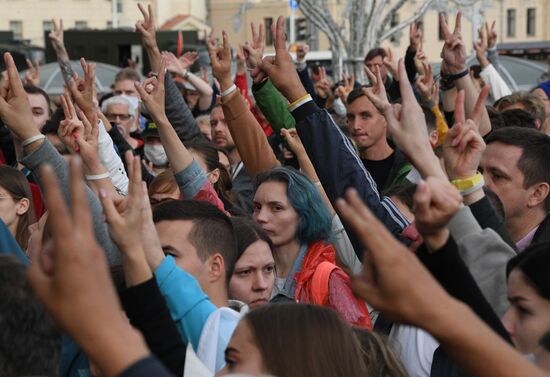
[(228, 91), (97, 177), (32, 139)]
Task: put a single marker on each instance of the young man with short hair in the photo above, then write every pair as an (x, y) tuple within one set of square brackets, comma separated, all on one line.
[(200, 248), (517, 168)]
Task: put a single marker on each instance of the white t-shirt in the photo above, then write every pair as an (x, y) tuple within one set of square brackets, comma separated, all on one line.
[(415, 348)]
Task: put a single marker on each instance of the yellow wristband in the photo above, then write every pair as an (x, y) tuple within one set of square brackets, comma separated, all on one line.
[(468, 183), (298, 100)]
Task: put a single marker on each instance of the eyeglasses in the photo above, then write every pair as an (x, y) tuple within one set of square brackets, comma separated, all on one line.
[(113, 117)]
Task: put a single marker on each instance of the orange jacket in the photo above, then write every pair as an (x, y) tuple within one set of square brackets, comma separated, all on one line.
[(322, 282)]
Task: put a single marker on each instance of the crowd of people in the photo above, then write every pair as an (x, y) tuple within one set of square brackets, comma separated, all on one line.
[(276, 221)]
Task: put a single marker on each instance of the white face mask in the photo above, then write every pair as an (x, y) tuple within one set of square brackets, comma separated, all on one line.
[(134, 101), (156, 154)]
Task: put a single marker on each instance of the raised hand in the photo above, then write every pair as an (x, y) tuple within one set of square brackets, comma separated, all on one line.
[(71, 126), (188, 59), (56, 36), (415, 37), (88, 144), (293, 141), (173, 64), (254, 53), (84, 90), (425, 84), (409, 131), (391, 64), (393, 281), (377, 92), (343, 91), (149, 236), (419, 58), (240, 60), (32, 75), (435, 203), (15, 109), (322, 86), (74, 283), (463, 146), (480, 47), (147, 27), (125, 223), (281, 69), (220, 58), (152, 93), (491, 35), (454, 51)]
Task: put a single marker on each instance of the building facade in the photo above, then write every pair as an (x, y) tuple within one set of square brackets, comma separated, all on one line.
[(517, 23), (29, 19)]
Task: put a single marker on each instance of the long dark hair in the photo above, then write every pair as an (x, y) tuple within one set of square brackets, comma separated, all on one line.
[(246, 233), (303, 340), (15, 183), (209, 152)]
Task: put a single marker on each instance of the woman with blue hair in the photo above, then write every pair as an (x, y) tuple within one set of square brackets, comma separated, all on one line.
[(291, 211)]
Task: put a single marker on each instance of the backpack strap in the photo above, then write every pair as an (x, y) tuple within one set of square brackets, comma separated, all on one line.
[(320, 282)]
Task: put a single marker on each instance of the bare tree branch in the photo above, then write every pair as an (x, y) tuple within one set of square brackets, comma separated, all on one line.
[(405, 23), (390, 13), (375, 22)]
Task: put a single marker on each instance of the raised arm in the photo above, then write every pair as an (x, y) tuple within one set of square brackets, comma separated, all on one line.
[(395, 283), (77, 289), (191, 178), (272, 104), (176, 66), (177, 111), (247, 133), (16, 114), (454, 56), (483, 251), (84, 93), (332, 154), (436, 201), (58, 43)]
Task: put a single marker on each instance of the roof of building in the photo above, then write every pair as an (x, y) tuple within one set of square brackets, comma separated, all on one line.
[(174, 21)]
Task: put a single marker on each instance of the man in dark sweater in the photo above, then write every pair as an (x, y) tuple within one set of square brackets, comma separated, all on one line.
[(367, 127)]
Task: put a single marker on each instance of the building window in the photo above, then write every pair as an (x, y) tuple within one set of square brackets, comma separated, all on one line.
[(80, 25), (300, 25), (119, 8), (441, 36), (393, 23), (109, 24), (511, 23), (531, 18), (267, 27), (17, 29), (47, 26)]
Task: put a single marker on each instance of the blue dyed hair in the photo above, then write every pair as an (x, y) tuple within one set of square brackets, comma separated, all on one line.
[(315, 219)]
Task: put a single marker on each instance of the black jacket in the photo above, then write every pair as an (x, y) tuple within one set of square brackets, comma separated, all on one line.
[(543, 232)]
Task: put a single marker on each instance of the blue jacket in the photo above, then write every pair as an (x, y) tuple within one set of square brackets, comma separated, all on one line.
[(190, 308), (8, 244), (339, 168), (189, 305)]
